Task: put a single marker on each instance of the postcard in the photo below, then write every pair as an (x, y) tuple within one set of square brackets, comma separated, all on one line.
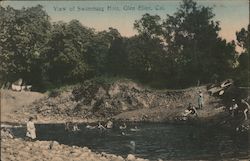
[(116, 80)]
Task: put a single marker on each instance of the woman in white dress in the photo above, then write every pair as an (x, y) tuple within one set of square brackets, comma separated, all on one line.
[(31, 129)]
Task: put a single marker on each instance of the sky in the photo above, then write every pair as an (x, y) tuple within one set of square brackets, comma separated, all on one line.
[(232, 14)]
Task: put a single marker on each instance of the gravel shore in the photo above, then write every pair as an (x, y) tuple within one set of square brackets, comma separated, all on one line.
[(15, 149)]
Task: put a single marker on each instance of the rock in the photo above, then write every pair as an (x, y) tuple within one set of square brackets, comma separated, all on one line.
[(140, 159), (85, 149), (100, 93), (24, 153), (113, 90), (118, 158), (130, 157), (53, 144), (11, 158), (56, 158)]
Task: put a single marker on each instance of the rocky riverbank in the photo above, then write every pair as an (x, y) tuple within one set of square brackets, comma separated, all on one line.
[(122, 100), (15, 149)]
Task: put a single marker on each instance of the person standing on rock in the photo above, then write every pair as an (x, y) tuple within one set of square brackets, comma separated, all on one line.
[(31, 129), (200, 100)]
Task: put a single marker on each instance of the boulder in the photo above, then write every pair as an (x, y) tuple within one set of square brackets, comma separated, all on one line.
[(130, 157)]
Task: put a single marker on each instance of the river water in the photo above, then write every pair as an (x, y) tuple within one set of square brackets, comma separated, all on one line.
[(152, 140)]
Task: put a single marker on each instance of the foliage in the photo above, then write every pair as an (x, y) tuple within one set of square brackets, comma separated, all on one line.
[(66, 52), (175, 52), (194, 51), (23, 34), (242, 72)]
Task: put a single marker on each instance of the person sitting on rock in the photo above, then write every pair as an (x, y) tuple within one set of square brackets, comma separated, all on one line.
[(109, 124), (190, 110), (31, 130), (234, 108), (246, 108)]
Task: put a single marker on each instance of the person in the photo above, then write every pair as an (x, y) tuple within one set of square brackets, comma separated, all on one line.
[(67, 126), (246, 108), (124, 126), (101, 127), (31, 129), (90, 127), (132, 145), (75, 128), (135, 129), (200, 100), (190, 110), (109, 124), (233, 108)]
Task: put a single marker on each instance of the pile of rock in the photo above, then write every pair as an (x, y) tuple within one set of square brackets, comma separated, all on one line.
[(19, 150), (93, 99)]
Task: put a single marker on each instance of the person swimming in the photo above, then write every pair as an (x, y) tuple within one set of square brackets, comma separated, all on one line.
[(75, 128), (90, 127), (100, 126), (122, 127), (135, 129), (132, 145)]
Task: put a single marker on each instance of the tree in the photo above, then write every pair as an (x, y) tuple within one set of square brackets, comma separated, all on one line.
[(23, 34), (148, 25), (116, 60), (242, 72), (243, 39), (66, 52), (193, 51), (99, 56), (193, 36)]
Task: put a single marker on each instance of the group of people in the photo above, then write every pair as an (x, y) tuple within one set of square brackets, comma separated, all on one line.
[(108, 125), (69, 126), (191, 109), (234, 109)]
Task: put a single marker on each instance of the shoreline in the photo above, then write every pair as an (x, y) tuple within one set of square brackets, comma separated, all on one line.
[(18, 149)]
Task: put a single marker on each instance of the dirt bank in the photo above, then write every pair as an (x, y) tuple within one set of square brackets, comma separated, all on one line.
[(20, 150), (120, 100), (16, 102)]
